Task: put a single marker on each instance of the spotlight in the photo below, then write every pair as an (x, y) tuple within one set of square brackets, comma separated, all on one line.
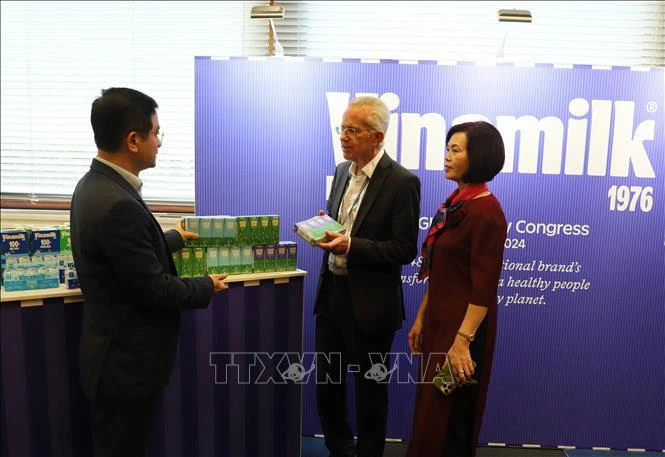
[(267, 12), (514, 15)]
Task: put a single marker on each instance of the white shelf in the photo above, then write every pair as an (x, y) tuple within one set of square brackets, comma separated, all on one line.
[(36, 297), (250, 277)]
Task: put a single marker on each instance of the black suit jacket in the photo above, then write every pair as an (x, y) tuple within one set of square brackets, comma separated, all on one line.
[(383, 238), (132, 294)]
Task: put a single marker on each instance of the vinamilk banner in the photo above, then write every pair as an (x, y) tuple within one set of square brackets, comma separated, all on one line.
[(580, 353)]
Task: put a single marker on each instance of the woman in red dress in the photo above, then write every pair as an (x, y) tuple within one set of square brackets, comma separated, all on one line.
[(462, 256)]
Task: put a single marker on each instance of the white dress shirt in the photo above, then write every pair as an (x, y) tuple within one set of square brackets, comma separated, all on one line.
[(348, 208), (131, 178)]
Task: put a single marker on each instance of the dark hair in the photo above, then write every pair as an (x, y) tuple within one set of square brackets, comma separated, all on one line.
[(119, 111), (485, 150)]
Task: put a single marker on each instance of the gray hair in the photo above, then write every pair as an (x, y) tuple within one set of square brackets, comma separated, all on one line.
[(379, 116)]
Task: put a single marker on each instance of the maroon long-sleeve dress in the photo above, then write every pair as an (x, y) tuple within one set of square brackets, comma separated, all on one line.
[(466, 265)]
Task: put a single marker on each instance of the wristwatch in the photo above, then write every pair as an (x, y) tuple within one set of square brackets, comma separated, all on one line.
[(466, 336)]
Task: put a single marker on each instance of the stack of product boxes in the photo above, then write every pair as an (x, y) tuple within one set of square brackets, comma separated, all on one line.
[(37, 258), (235, 245)]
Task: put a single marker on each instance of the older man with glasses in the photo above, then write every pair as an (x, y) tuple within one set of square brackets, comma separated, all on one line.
[(359, 303)]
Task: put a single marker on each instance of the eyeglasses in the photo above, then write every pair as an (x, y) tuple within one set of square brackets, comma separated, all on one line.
[(351, 131), (158, 135)]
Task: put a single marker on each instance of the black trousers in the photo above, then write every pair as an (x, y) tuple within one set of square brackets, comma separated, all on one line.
[(341, 347), (121, 427)]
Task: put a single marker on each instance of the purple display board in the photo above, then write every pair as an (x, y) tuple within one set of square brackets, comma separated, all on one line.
[(43, 411), (580, 354)]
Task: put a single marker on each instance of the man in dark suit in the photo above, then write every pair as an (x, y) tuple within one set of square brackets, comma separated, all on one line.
[(131, 290), (359, 303)]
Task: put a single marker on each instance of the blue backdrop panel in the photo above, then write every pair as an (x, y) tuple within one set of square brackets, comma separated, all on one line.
[(579, 356)]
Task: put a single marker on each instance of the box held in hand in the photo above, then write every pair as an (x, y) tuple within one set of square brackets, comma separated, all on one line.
[(314, 230)]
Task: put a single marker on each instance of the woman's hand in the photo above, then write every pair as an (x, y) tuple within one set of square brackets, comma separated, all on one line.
[(459, 358), (416, 336)]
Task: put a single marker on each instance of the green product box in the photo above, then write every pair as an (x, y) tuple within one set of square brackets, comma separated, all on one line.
[(217, 231), (198, 258), (242, 235), (291, 255), (314, 229), (212, 259), (177, 261), (192, 224), (280, 257), (230, 230), (259, 251), (205, 231), (254, 231), (223, 259), (274, 228), (247, 255), (185, 262), (269, 261), (264, 230), (65, 239), (235, 259)]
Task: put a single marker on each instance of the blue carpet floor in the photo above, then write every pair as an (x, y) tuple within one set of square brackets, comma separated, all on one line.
[(311, 447), (588, 453), (315, 447)]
